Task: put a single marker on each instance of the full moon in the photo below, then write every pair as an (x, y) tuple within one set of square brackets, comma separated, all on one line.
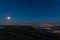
[(8, 18)]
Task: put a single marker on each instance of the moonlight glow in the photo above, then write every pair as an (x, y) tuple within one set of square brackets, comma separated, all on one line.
[(8, 18)]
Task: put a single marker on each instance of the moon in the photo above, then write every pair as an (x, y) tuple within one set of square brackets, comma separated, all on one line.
[(8, 18)]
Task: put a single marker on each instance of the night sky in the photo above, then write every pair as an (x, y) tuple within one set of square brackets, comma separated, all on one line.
[(30, 11)]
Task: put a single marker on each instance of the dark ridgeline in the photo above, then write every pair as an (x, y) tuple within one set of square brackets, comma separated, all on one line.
[(26, 33), (56, 27)]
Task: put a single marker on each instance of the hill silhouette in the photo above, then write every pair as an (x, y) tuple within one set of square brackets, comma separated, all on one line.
[(26, 33)]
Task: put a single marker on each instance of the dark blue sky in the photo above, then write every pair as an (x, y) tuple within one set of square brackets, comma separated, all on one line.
[(30, 10)]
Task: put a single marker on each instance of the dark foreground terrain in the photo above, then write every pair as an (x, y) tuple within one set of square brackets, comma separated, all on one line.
[(26, 33)]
